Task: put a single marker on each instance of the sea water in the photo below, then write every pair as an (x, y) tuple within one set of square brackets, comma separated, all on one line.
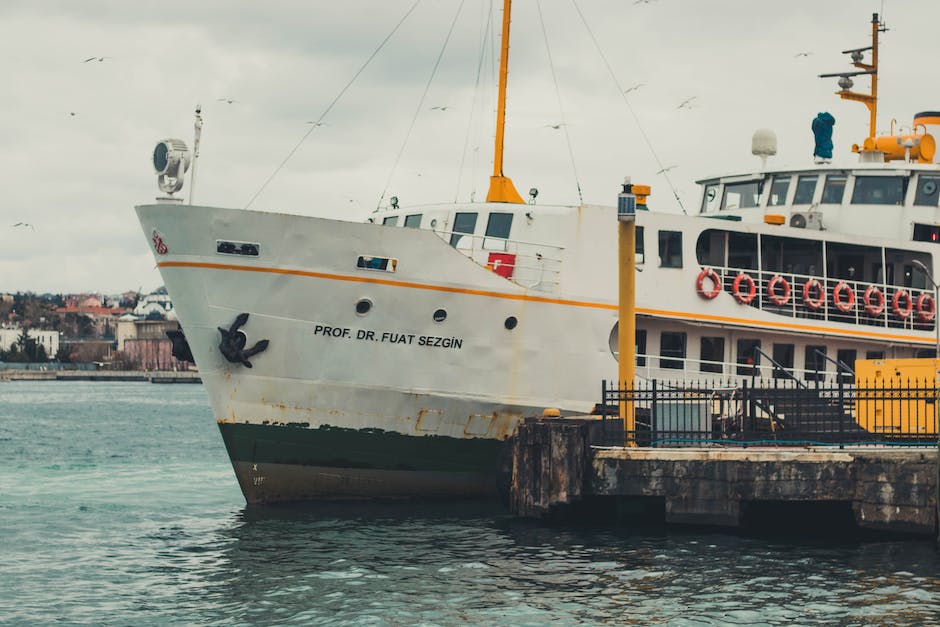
[(118, 506)]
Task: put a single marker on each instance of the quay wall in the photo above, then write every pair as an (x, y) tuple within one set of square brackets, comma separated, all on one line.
[(554, 464), (152, 376)]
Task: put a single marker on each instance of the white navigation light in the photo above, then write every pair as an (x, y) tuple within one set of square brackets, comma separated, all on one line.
[(171, 160)]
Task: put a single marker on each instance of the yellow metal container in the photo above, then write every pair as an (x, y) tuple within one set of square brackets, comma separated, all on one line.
[(897, 397)]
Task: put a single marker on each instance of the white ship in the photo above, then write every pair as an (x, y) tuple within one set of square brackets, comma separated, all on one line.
[(390, 358)]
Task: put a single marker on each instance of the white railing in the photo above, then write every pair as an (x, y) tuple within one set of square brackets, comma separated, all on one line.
[(666, 368), (532, 266)]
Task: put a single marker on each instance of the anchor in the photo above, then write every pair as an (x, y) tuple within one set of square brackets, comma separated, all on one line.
[(233, 341)]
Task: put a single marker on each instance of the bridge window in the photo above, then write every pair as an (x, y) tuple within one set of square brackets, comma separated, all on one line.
[(640, 248), (390, 221), (670, 249), (778, 191), (497, 226), (748, 358), (710, 198), (783, 355), (834, 189), (464, 223), (413, 222), (805, 189), (671, 344), (741, 195), (878, 190), (928, 191), (713, 354)]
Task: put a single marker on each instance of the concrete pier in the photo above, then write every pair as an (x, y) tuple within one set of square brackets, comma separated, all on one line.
[(153, 376), (556, 462)]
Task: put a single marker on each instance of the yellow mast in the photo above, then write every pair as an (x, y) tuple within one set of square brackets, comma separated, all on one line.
[(501, 187), (845, 81)]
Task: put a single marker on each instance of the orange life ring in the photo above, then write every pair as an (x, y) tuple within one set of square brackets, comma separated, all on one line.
[(870, 307), (810, 302), (745, 297), (896, 304), (925, 315), (708, 273), (778, 299), (845, 306)]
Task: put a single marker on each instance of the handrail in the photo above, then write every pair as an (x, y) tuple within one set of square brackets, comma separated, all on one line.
[(838, 362), (777, 368)]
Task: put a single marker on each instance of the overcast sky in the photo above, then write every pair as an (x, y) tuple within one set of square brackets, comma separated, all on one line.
[(76, 178)]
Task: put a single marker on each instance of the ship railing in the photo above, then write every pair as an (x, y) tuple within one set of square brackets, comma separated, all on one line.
[(678, 367), (775, 412), (528, 264), (836, 300)]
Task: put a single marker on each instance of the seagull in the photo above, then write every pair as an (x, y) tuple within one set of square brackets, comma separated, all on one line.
[(228, 100), (634, 88), (666, 169), (554, 126), (687, 103), (802, 54), (643, 1), (444, 108), (98, 59), (24, 225), (72, 114)]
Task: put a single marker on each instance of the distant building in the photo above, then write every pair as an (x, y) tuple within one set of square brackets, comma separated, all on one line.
[(49, 340), (144, 345)]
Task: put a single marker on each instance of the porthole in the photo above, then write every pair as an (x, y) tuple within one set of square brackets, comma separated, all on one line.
[(511, 322), (440, 315), (434, 223), (364, 306)]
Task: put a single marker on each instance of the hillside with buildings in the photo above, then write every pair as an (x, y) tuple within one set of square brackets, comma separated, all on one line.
[(124, 331)]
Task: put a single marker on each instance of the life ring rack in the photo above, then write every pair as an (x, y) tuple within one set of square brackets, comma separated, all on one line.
[(872, 308), (902, 312), (845, 306), (925, 315), (778, 299), (744, 297), (808, 300), (711, 275)]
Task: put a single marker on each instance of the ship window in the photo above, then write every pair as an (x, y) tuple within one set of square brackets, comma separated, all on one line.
[(439, 315), (497, 226), (847, 357), (712, 354), (710, 198), (878, 190), (640, 248), (390, 221), (710, 248), (671, 344), (463, 223), (748, 358), (928, 191), (925, 353), (783, 355), (874, 354), (814, 362), (670, 249), (833, 190), (364, 306), (805, 189), (926, 233), (778, 191), (741, 195), (413, 222), (511, 323), (641, 347), (613, 341), (742, 250)]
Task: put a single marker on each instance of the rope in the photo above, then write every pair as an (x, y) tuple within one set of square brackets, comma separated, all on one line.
[(424, 95), (561, 108), (626, 101), (319, 120), (476, 88)]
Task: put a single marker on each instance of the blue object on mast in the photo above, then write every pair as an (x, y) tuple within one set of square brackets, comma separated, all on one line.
[(822, 131)]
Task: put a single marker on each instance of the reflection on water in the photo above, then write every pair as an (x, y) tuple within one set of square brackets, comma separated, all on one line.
[(120, 507)]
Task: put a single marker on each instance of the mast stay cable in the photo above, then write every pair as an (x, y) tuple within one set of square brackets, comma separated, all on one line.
[(424, 95), (561, 109), (626, 101), (326, 111)]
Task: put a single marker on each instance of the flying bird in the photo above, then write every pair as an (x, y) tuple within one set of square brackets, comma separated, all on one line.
[(554, 126), (24, 225), (98, 59), (634, 88), (643, 1), (802, 54), (72, 114), (666, 169), (444, 108), (686, 104), (228, 100)]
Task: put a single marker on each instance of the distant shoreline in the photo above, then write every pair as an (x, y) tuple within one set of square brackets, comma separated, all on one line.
[(149, 376)]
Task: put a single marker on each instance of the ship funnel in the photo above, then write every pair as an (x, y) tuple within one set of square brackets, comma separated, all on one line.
[(930, 121)]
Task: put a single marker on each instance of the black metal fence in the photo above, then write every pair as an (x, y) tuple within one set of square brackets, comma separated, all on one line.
[(776, 412)]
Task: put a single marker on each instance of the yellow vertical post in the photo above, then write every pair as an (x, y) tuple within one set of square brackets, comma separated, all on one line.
[(501, 187), (626, 321), (873, 107)]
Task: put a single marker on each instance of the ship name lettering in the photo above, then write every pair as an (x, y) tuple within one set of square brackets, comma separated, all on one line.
[(321, 329), (443, 342)]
